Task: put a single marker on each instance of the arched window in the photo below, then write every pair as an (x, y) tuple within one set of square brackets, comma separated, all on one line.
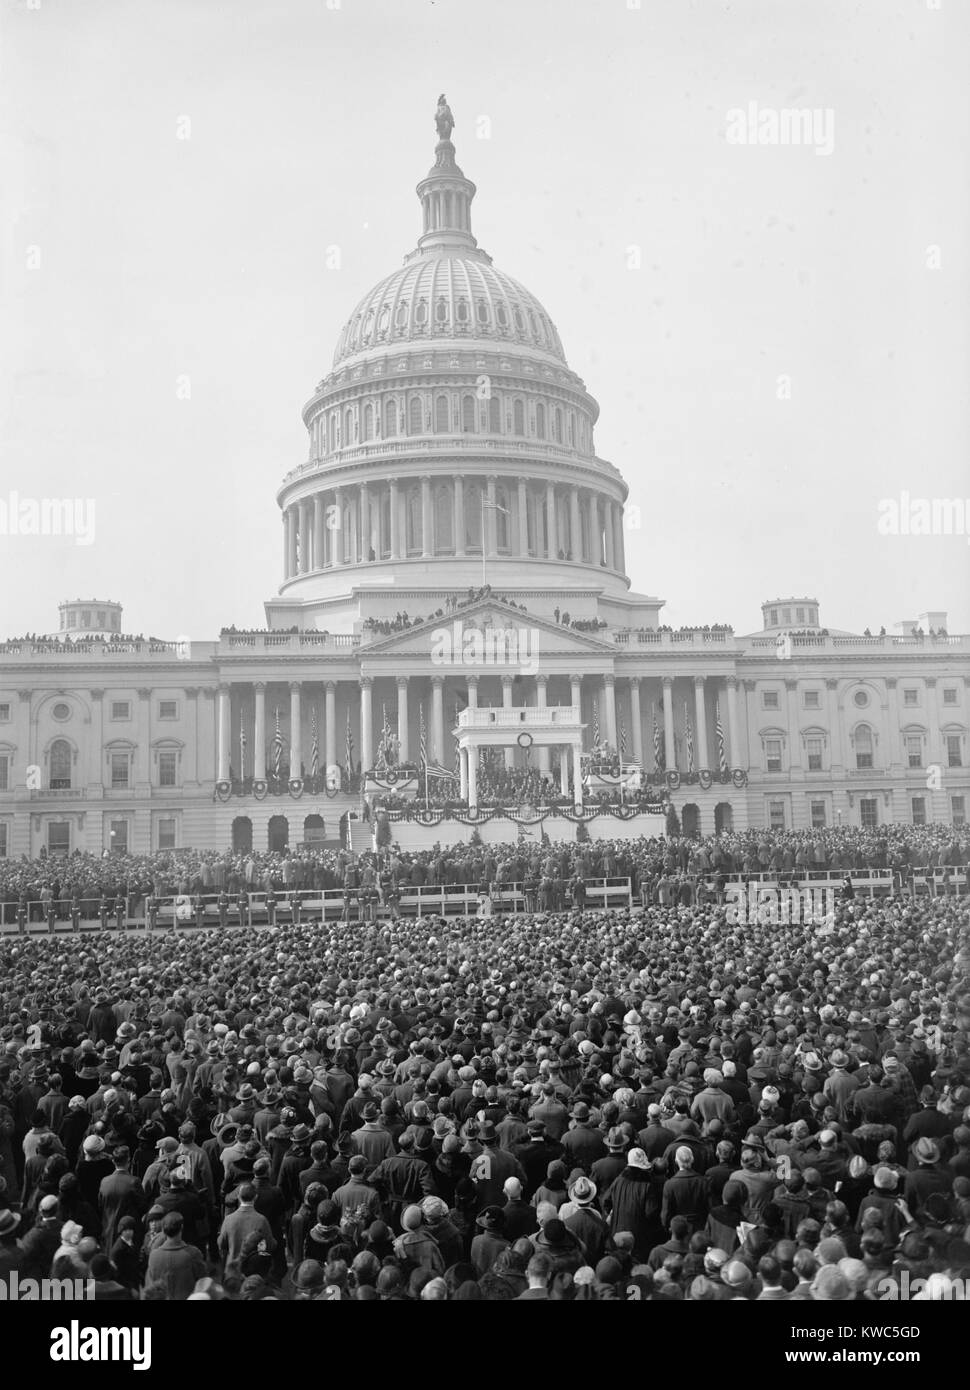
[(530, 521), (413, 511), (421, 313), (60, 764), (557, 425), (348, 428), (368, 324), (332, 431), (502, 314), (482, 312), (540, 421), (468, 414), (473, 518), (441, 414), (441, 310), (385, 549), (444, 516), (401, 315), (461, 310), (494, 415), (383, 318), (414, 416), (368, 421), (863, 746), (518, 418), (571, 429), (519, 321), (390, 418)]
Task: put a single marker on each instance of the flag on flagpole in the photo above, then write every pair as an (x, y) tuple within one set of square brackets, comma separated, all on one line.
[(314, 745), (457, 772), (350, 748), (690, 739), (658, 748), (622, 739), (277, 746), (242, 752), (422, 739), (596, 723), (719, 734)]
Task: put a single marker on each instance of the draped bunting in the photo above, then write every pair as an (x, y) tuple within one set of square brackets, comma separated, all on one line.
[(431, 816)]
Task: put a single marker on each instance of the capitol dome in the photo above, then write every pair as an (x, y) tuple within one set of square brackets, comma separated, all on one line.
[(450, 444)]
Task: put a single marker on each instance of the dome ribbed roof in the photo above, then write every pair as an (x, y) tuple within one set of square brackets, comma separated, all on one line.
[(444, 295)]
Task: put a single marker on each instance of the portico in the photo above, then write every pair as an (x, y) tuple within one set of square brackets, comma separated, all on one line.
[(525, 727)]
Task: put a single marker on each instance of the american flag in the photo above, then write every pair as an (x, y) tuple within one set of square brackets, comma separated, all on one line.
[(242, 751), (457, 750), (350, 748), (277, 746), (658, 748), (596, 722), (622, 738), (314, 745), (422, 739), (690, 738), (719, 735)]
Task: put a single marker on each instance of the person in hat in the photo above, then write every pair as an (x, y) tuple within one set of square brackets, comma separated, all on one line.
[(633, 1203), (585, 1221), (372, 1139), (886, 1201), (606, 1169), (684, 1194), (490, 1240), (173, 1265), (927, 1178), (535, 1155), (357, 1195), (583, 1143), (416, 1247), (120, 1194), (239, 1226), (490, 1169)]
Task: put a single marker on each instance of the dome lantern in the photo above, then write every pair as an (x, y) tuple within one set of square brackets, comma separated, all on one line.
[(446, 195)]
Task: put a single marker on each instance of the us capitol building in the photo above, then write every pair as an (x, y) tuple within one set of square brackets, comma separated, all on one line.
[(454, 603)]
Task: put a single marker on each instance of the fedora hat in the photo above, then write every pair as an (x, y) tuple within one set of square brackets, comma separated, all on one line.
[(583, 1191), (370, 1113), (615, 1141)]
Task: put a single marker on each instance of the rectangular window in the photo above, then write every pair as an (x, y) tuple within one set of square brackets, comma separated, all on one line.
[(776, 815), (773, 754), (120, 709), (168, 765), (799, 615), (165, 834), (4, 714), (4, 772), (910, 697), (786, 615), (950, 695), (812, 699), (954, 755), (118, 836), (769, 699), (868, 813), (3, 839), (774, 617), (914, 750), (958, 808), (72, 620), (168, 709), (919, 810), (818, 815), (813, 747), (120, 763), (59, 837)]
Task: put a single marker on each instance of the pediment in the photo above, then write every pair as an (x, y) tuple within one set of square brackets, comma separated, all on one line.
[(492, 624)]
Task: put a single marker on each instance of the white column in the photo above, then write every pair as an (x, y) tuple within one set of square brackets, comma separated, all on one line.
[(564, 771), (472, 775), (290, 542), (330, 722), (609, 709), (670, 747), (635, 720), (395, 538), (337, 533), (576, 694), (259, 732), (366, 725), (734, 751), (459, 515), (608, 532), (426, 545), (794, 737), (700, 710), (437, 719), (508, 753), (543, 752), (402, 717), (304, 537), (365, 525), (835, 728), (577, 776), (575, 531), (592, 513), (224, 724), (296, 739), (553, 542), (490, 529), (319, 524), (523, 508), (473, 692), (620, 542), (463, 773), (285, 519)]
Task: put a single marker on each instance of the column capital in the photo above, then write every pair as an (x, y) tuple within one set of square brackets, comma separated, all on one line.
[(366, 682), (192, 691), (259, 685), (147, 694), (330, 687), (749, 686), (223, 687), (437, 680), (668, 682), (541, 680), (731, 682), (425, 479), (699, 682), (296, 686), (25, 694), (96, 694), (471, 680), (791, 685), (392, 482), (831, 685), (608, 678), (507, 680), (402, 682), (634, 681), (931, 682), (890, 682)]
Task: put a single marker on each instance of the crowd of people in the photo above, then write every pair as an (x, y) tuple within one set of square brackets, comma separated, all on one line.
[(573, 1105)]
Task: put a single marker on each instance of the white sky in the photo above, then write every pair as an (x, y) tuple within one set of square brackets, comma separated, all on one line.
[(310, 127)]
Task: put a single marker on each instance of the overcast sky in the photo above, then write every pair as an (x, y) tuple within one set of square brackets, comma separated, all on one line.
[(792, 350)]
